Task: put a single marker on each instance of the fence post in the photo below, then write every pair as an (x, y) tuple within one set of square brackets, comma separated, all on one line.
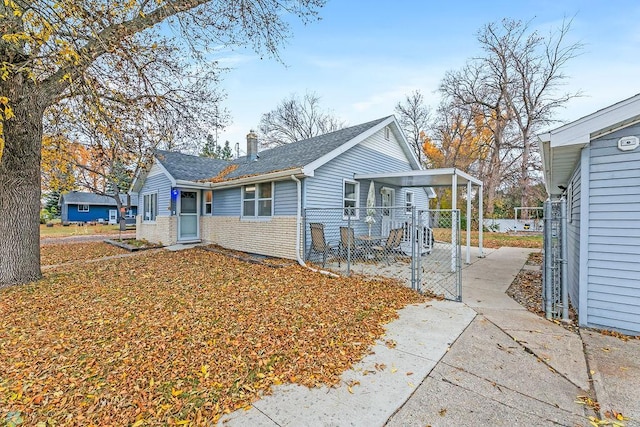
[(565, 254), (348, 244), (413, 230), (548, 260)]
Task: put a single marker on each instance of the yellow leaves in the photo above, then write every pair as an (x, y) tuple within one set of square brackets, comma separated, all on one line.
[(587, 401), (138, 423), (16, 38), (197, 334), (67, 53), (6, 113)]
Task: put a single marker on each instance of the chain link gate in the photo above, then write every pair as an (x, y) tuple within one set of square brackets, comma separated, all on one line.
[(554, 264), (378, 241), (441, 271)]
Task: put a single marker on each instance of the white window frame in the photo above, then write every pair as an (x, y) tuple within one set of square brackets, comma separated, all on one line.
[(345, 199), (83, 208), (409, 202), (387, 133), (207, 204), (151, 197), (256, 200)]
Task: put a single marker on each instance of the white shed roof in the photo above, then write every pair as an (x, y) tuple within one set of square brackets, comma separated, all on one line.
[(443, 177)]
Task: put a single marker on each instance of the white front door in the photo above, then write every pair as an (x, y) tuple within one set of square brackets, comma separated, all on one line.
[(113, 216), (188, 216), (388, 199)]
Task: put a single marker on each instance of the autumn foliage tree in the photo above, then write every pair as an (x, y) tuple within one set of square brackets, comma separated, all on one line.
[(517, 86), (85, 52), (458, 139)]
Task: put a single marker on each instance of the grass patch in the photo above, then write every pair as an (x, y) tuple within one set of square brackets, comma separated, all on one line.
[(493, 240), (167, 336), (76, 230)]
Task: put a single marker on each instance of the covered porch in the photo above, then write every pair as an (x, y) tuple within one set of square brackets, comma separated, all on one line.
[(386, 233), (443, 177)]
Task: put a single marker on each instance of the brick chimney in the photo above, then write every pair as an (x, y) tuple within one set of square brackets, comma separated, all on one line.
[(252, 146)]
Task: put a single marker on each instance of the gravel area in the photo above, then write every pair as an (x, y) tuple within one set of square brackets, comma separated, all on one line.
[(526, 289)]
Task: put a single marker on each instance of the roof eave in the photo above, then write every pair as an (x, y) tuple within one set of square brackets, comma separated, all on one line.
[(254, 179)]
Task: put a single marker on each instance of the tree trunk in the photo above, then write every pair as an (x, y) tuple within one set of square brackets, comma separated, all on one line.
[(20, 185), (524, 169)]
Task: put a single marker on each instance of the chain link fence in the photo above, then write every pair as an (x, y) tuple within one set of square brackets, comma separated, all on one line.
[(441, 272), (420, 248), (554, 264)]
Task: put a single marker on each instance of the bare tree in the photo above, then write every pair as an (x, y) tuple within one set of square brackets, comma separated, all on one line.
[(51, 51), (295, 119), (413, 116), (515, 85)]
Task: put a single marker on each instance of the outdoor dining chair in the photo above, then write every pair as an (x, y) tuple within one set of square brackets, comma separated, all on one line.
[(319, 243), (391, 245), (348, 243)]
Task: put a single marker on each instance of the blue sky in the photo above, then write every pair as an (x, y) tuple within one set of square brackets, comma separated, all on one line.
[(364, 56)]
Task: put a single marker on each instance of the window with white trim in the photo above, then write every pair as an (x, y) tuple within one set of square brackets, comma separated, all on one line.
[(83, 208), (408, 201), (208, 202), (350, 199), (149, 207), (387, 133), (257, 200)]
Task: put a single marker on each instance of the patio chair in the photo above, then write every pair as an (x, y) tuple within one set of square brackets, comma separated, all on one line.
[(391, 245), (348, 242), (319, 244)]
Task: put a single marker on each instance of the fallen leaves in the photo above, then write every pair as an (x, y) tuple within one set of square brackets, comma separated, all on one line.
[(588, 402), (167, 338), (63, 253)]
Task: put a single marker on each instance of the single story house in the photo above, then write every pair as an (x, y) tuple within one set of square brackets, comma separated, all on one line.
[(594, 162), (255, 203), (77, 206)]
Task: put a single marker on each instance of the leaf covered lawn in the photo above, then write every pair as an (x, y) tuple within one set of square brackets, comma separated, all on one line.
[(171, 338), (71, 252)]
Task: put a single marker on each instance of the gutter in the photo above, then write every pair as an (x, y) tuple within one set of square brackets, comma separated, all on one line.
[(271, 176), (299, 229)]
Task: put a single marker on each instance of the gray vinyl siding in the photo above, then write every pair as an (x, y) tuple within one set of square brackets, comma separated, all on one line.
[(573, 236), (157, 183), (324, 189), (227, 202), (285, 198), (613, 298)]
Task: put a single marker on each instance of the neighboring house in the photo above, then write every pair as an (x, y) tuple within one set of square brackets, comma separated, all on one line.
[(595, 163), (77, 206), (255, 203)]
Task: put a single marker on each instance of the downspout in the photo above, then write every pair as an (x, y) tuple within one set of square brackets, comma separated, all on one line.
[(298, 230)]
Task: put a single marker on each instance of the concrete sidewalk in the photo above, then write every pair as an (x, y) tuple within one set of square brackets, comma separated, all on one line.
[(379, 384), (511, 367), (487, 361)]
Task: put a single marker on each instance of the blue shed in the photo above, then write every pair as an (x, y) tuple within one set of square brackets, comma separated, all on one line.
[(79, 206)]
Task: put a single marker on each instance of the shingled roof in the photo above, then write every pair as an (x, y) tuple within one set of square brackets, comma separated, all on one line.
[(290, 156), (82, 198)]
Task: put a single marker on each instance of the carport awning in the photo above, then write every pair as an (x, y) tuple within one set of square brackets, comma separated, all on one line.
[(423, 178), (445, 177)]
